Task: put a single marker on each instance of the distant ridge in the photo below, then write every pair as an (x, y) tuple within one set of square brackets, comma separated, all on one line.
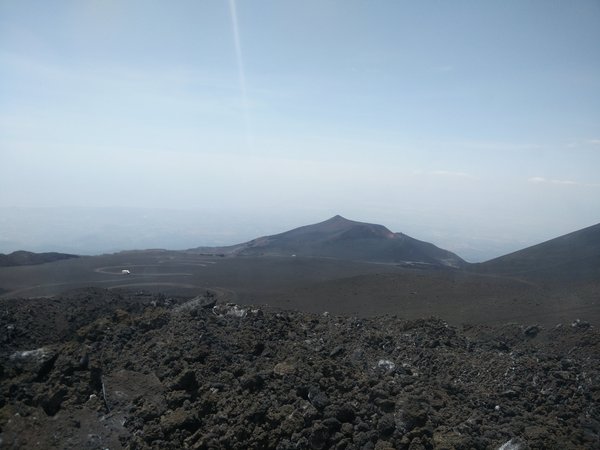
[(573, 256), (23, 258), (341, 238)]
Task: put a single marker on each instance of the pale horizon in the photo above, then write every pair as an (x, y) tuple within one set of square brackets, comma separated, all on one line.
[(93, 231), (472, 126)]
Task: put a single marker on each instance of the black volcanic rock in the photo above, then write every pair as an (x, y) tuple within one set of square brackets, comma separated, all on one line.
[(571, 257), (23, 258), (144, 387), (341, 238)]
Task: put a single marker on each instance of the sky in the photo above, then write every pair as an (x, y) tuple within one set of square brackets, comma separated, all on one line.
[(473, 125)]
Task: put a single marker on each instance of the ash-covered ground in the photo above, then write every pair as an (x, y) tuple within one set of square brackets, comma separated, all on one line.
[(97, 369)]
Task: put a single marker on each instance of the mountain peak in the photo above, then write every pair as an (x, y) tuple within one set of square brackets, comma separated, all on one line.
[(338, 218), (342, 238)]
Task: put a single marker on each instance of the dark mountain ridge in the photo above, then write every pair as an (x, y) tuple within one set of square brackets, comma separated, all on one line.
[(24, 258), (341, 238), (573, 256)]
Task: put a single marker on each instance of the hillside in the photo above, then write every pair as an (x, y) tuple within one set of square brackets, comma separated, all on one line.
[(341, 238), (23, 258), (571, 257)]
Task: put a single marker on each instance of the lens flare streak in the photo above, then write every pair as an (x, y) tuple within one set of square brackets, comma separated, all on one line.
[(241, 72)]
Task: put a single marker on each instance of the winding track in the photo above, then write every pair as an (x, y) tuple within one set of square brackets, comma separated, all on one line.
[(118, 278)]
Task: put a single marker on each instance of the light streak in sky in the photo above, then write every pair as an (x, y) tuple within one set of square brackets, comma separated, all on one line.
[(241, 71)]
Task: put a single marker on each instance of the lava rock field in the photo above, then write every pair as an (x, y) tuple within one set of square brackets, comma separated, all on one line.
[(115, 369)]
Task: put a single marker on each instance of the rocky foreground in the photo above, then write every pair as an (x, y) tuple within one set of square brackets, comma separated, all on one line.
[(106, 369)]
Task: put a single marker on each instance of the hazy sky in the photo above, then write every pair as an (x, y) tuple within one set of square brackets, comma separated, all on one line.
[(462, 120)]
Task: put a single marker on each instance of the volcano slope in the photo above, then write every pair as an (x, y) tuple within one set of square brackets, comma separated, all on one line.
[(115, 369), (573, 258), (344, 239), (23, 258)]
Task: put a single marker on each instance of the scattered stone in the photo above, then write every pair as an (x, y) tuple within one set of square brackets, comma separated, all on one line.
[(318, 437), (386, 365), (332, 424), (178, 420), (206, 301), (512, 444), (230, 310), (186, 382), (52, 401), (345, 413), (284, 368), (318, 398), (84, 362), (580, 324), (386, 425), (531, 331), (336, 351)]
